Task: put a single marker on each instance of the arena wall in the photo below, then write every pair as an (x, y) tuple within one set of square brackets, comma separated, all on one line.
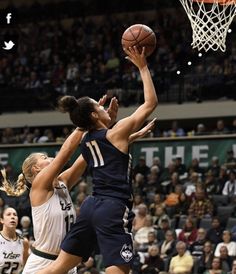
[(163, 112)]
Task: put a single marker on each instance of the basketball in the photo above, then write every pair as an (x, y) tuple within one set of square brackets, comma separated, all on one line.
[(141, 36)]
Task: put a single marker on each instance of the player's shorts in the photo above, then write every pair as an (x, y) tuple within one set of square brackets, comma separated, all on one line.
[(106, 222), (35, 263)]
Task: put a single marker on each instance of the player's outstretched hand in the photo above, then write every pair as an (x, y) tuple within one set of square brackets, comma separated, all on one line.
[(112, 110), (102, 100), (137, 58), (143, 131)]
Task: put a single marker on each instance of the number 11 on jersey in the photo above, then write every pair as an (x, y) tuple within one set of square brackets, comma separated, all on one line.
[(96, 153)]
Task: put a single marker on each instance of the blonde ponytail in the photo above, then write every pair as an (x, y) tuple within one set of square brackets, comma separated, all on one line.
[(24, 179), (12, 189)]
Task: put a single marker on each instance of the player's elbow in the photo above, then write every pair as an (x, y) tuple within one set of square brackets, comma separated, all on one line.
[(152, 104), (148, 110), (153, 100), (155, 103)]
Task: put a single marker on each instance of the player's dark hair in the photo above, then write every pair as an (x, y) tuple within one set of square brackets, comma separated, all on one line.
[(2, 212), (79, 110), (4, 209), (1, 216)]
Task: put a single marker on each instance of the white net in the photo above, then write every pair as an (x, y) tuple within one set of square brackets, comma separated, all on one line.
[(210, 21)]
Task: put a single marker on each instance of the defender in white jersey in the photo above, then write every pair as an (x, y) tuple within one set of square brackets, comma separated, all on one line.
[(52, 208), (14, 249), (52, 221)]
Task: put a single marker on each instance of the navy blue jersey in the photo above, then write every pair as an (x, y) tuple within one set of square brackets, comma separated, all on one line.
[(109, 167)]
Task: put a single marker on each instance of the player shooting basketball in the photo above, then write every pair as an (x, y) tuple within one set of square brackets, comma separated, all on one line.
[(105, 217)]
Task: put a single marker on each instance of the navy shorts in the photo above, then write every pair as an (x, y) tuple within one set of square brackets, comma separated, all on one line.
[(106, 222)]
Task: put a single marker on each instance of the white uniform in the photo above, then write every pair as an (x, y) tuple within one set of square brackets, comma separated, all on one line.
[(11, 255), (51, 222)]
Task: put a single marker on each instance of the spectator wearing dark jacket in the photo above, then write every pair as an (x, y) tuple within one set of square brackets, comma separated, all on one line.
[(214, 234), (153, 263)]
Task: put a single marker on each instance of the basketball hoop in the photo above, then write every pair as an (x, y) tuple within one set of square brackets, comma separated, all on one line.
[(210, 21)]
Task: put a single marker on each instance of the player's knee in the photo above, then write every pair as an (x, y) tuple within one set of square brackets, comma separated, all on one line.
[(118, 269), (64, 263)]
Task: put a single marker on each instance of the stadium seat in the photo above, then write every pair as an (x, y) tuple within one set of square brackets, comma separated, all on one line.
[(182, 220), (172, 223), (166, 264), (231, 223), (220, 200), (170, 211), (205, 223), (232, 200), (196, 265), (225, 212)]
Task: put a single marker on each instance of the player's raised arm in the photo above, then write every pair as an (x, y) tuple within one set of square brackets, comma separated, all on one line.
[(72, 175), (132, 123), (42, 184)]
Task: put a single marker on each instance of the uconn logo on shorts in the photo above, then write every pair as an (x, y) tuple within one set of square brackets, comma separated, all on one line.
[(126, 252)]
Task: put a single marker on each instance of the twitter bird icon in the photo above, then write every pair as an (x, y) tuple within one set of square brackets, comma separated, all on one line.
[(8, 45)]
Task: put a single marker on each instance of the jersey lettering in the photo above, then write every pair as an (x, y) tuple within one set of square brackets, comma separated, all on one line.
[(10, 255), (69, 221), (129, 168), (96, 153), (65, 206), (10, 267)]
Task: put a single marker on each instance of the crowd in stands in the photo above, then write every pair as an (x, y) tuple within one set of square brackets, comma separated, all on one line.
[(188, 214), (33, 135), (83, 56)]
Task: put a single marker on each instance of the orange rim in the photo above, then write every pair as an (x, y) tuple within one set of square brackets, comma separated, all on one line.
[(221, 2)]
